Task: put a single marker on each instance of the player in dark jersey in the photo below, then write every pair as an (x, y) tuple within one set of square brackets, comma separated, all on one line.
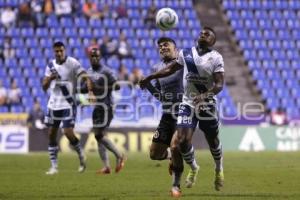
[(104, 83), (203, 79), (169, 91)]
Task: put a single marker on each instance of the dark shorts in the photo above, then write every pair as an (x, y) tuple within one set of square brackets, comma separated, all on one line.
[(102, 117), (165, 129), (53, 118), (206, 118)]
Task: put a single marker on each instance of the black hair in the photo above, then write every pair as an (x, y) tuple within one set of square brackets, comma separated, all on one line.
[(165, 39), (58, 44)]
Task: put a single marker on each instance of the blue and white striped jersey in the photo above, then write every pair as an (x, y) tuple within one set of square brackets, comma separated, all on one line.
[(68, 72), (198, 72)]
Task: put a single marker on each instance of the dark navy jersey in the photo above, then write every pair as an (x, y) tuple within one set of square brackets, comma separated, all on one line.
[(103, 80), (170, 87)]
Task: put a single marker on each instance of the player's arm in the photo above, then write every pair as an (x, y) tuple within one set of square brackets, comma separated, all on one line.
[(168, 70), (89, 85), (47, 81), (218, 78), (155, 91), (87, 80)]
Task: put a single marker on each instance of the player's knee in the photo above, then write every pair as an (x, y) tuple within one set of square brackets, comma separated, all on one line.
[(155, 155), (184, 145), (152, 154), (99, 136), (74, 141)]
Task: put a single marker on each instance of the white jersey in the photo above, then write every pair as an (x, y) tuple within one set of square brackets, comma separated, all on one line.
[(198, 72), (68, 72)]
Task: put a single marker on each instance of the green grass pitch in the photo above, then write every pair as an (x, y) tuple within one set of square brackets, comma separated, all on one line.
[(268, 175)]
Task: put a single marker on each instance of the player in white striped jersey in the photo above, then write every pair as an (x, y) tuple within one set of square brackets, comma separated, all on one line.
[(203, 78), (61, 77)]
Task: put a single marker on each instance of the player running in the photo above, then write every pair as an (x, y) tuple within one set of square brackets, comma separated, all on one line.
[(61, 76), (203, 79), (104, 83)]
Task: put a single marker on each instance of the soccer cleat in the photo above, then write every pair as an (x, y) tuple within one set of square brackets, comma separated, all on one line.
[(175, 192), (219, 180), (104, 170), (81, 168), (191, 178), (82, 165), (120, 164), (52, 171)]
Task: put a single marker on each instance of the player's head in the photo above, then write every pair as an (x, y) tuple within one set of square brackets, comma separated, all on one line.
[(207, 37), (167, 48), (95, 56), (59, 51)]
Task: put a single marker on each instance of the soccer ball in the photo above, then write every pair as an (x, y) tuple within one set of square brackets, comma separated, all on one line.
[(166, 19)]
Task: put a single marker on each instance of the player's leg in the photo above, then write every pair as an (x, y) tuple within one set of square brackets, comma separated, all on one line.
[(159, 151), (74, 141), (102, 151), (176, 166), (68, 127), (162, 138), (186, 124), (211, 131), (101, 120), (52, 150), (53, 126)]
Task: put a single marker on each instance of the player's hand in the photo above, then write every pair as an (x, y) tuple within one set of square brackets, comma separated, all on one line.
[(199, 99), (91, 97), (144, 82), (54, 76)]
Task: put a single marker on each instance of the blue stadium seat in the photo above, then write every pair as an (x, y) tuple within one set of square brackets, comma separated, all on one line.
[(32, 43), (21, 53), (17, 42), (94, 23), (80, 22), (66, 22), (17, 109), (123, 23), (52, 21), (70, 32), (56, 32), (85, 33), (27, 32), (42, 32), (3, 109)]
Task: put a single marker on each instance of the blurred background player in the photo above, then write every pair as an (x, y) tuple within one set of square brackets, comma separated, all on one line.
[(203, 79), (61, 76), (104, 83)]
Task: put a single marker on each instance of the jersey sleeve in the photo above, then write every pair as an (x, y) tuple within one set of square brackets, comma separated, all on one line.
[(180, 58), (219, 64), (77, 67)]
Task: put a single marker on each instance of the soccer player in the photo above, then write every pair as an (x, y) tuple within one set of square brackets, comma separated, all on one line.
[(203, 79), (104, 83), (169, 91), (61, 76)]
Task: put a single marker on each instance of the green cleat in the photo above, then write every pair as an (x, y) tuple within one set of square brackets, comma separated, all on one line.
[(219, 180), (191, 178)]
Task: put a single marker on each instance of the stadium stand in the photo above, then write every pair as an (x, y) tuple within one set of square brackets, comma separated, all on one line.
[(33, 46), (268, 34)]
